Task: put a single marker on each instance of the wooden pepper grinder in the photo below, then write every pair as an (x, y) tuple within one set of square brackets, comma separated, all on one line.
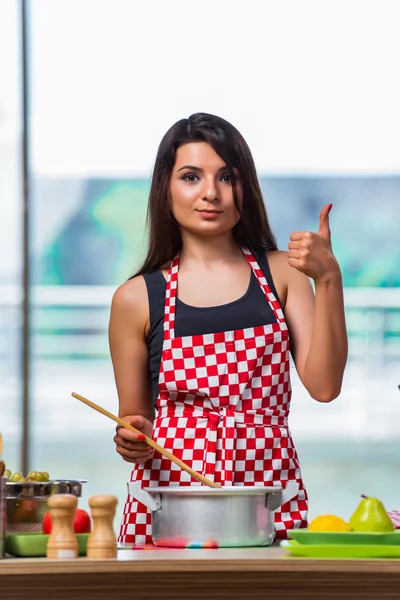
[(102, 542), (62, 541)]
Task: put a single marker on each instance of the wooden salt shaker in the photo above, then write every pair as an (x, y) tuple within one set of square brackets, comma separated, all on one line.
[(102, 542), (62, 542)]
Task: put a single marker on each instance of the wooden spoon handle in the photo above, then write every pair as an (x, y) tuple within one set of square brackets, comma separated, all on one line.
[(148, 441)]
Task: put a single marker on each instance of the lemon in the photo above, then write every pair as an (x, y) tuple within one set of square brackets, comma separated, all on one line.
[(328, 523)]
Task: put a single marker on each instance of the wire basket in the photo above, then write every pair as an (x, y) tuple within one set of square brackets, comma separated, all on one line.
[(26, 502)]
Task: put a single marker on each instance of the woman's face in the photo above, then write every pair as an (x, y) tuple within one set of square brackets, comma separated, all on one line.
[(201, 191)]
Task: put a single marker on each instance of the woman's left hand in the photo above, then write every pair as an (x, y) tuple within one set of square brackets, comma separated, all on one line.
[(311, 253)]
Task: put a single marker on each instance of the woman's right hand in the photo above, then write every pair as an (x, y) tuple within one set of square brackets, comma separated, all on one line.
[(128, 443)]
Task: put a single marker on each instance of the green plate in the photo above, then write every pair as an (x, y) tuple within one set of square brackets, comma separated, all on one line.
[(340, 551), (35, 544), (345, 537)]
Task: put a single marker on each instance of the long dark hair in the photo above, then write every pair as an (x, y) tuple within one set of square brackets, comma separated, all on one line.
[(252, 230)]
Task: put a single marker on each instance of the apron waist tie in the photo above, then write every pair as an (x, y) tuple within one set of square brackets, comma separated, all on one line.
[(223, 421), (247, 418)]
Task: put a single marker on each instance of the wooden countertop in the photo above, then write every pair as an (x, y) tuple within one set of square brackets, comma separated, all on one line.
[(193, 574)]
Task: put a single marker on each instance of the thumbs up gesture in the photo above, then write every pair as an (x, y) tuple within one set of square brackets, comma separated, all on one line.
[(311, 253)]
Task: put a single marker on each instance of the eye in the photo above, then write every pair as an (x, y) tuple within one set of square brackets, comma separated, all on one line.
[(226, 178), (190, 177)]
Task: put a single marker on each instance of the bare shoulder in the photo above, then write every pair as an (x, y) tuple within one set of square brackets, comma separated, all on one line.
[(131, 294), (284, 276), (130, 301), (277, 258), (278, 263)]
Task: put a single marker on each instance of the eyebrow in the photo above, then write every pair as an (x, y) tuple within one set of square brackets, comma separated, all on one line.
[(199, 170)]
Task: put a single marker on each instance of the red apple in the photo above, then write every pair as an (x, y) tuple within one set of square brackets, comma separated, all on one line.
[(81, 522)]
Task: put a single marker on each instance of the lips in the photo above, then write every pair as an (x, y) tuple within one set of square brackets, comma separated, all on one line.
[(211, 212)]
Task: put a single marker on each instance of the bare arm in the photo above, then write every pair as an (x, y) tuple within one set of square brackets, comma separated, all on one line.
[(129, 353), (316, 322), (317, 333)]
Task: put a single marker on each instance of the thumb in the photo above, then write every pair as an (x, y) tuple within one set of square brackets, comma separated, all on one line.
[(137, 421), (324, 229)]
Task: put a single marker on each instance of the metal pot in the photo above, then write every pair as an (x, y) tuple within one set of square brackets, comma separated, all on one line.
[(213, 517)]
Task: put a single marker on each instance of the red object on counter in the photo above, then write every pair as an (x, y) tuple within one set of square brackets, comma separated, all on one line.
[(82, 523)]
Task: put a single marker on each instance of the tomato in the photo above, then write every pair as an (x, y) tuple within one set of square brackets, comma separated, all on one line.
[(28, 511), (82, 522), (46, 526)]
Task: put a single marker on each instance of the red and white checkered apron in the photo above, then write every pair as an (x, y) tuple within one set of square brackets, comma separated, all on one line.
[(223, 409)]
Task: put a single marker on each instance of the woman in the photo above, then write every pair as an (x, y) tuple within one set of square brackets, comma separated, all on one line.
[(201, 332)]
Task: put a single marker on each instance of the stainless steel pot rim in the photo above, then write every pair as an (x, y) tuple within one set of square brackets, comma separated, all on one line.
[(233, 490)]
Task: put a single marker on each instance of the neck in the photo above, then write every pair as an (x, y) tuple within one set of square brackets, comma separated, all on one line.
[(206, 250)]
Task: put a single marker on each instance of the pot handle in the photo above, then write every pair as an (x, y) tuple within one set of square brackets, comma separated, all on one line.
[(276, 500), (153, 503)]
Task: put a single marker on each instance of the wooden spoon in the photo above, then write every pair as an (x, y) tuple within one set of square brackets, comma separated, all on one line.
[(148, 441)]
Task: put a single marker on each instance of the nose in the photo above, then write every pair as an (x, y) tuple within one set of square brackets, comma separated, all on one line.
[(210, 191)]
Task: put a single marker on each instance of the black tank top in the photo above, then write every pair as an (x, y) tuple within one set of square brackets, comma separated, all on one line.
[(251, 310)]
